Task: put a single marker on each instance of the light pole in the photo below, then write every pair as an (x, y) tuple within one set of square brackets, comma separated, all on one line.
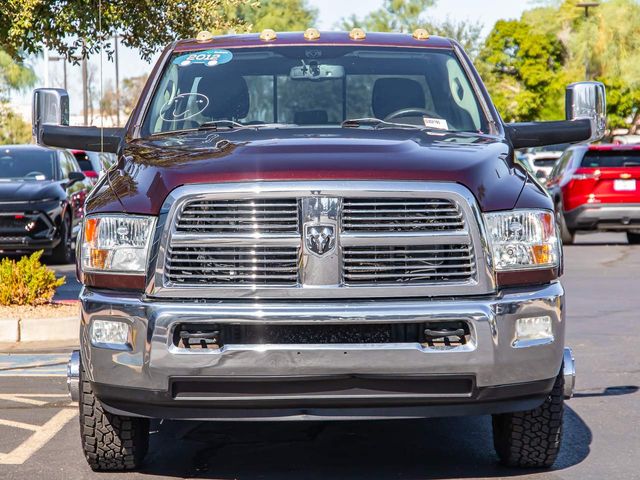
[(587, 6), (64, 67), (115, 41)]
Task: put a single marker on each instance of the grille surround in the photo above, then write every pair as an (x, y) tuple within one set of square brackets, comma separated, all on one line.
[(481, 280)]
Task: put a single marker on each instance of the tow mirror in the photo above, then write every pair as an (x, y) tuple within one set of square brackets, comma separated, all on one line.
[(50, 125), (50, 107), (586, 107), (587, 100)]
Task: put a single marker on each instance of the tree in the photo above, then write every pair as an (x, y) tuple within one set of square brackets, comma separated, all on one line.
[(27, 25), (129, 93), (408, 15), (279, 15), (523, 71), (14, 75)]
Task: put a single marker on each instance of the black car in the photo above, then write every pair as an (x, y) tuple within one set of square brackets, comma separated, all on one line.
[(42, 193)]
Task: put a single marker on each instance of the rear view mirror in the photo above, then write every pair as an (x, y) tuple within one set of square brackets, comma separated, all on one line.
[(50, 107), (315, 71), (587, 100)]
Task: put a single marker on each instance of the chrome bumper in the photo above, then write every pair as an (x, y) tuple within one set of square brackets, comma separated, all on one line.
[(491, 359)]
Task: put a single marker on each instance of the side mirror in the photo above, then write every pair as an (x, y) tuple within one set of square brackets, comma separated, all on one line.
[(50, 107), (51, 125), (587, 100), (75, 177), (585, 104)]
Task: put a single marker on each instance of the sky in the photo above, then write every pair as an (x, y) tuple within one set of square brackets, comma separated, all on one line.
[(486, 12)]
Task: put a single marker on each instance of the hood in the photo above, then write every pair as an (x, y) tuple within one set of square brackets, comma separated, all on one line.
[(24, 191), (154, 167)]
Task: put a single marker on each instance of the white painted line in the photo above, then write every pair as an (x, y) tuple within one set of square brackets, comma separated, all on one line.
[(22, 425), (40, 437), (24, 397)]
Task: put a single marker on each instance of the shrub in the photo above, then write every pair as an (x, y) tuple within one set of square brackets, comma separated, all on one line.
[(27, 281)]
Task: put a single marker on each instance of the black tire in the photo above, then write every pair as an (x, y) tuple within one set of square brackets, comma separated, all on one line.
[(62, 254), (531, 439), (633, 238), (567, 235), (110, 442)]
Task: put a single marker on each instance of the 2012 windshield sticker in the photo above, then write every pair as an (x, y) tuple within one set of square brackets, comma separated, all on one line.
[(210, 58)]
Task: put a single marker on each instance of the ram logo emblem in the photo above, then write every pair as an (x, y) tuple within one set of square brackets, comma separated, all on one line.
[(320, 239)]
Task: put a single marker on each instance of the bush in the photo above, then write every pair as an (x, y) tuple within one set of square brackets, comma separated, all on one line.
[(27, 281)]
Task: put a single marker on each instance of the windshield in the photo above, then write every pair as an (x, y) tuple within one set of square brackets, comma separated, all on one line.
[(319, 86), (27, 164), (604, 159)]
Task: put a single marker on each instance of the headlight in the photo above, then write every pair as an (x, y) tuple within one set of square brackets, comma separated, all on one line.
[(523, 239), (116, 243), (107, 332)]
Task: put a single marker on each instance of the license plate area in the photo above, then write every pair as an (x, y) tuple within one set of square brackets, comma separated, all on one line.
[(624, 185)]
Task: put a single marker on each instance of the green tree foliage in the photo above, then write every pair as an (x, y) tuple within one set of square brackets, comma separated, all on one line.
[(27, 281), (14, 75), (407, 15), (279, 15), (604, 46), (523, 70), (13, 129), (27, 25)]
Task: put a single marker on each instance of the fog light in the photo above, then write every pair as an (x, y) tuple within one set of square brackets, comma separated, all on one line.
[(533, 330), (108, 332)]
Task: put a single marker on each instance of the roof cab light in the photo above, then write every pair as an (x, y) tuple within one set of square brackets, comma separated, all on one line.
[(523, 239), (116, 243)]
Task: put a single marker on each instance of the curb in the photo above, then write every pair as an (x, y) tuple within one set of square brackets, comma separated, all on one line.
[(39, 329), (9, 330)]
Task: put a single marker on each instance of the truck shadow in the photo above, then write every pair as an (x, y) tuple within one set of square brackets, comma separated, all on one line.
[(430, 449)]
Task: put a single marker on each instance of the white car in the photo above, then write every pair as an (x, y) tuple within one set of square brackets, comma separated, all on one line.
[(543, 159)]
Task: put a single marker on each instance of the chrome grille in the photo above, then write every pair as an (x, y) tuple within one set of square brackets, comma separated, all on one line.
[(232, 265), (410, 264), (259, 240), (401, 215), (240, 216)]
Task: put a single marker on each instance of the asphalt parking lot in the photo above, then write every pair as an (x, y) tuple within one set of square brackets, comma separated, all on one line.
[(39, 433)]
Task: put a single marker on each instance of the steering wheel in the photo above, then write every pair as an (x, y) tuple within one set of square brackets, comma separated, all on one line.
[(418, 112), (34, 174)]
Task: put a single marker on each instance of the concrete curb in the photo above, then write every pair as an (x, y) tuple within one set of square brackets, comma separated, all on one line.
[(9, 330), (39, 329)]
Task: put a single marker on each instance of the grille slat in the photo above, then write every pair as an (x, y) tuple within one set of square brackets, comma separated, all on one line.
[(400, 215), (229, 266), (392, 265), (239, 216)]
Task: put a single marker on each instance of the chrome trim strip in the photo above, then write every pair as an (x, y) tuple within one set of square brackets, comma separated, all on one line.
[(473, 233)]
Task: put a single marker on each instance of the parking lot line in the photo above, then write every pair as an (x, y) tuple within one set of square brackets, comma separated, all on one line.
[(42, 434)]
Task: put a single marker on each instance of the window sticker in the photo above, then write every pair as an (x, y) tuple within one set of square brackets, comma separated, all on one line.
[(183, 107), (439, 123), (210, 58)]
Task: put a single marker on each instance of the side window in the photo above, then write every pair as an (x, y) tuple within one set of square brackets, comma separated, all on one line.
[(561, 164), (66, 166), (75, 166)]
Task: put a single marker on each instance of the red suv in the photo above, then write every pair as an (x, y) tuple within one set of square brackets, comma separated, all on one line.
[(596, 188)]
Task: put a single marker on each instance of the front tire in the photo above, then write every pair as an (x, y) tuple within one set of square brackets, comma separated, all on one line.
[(531, 439), (62, 254), (110, 442), (633, 238)]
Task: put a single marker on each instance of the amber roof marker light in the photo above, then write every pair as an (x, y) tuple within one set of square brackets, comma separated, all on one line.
[(268, 35), (311, 34), (420, 34), (357, 34), (204, 36)]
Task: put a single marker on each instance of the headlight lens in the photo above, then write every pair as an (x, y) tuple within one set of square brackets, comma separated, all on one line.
[(523, 239), (116, 244)]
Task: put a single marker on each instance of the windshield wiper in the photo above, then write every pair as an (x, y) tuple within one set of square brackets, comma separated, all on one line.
[(377, 123), (215, 124)]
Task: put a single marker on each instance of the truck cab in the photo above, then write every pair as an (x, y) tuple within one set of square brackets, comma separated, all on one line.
[(319, 225)]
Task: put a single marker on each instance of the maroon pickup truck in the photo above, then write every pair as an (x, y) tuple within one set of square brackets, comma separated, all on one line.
[(319, 226)]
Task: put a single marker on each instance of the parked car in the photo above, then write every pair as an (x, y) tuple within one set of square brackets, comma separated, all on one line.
[(94, 164), (596, 187), (543, 159), (42, 193), (319, 226)]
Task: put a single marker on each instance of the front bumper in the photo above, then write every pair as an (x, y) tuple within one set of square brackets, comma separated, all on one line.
[(492, 373), (31, 231), (604, 217)]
